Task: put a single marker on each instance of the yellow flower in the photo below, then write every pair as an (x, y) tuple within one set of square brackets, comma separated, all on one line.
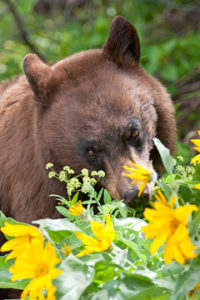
[(22, 235), (37, 262), (169, 225), (67, 249), (77, 209), (104, 234), (140, 175), (197, 144), (197, 186)]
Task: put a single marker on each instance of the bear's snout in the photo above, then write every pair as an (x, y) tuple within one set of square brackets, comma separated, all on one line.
[(132, 200)]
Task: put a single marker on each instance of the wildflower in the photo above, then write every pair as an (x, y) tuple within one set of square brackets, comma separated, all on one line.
[(89, 180), (140, 175), (73, 184), (67, 249), (68, 170), (169, 225), (85, 172), (101, 173), (49, 166), (77, 209), (197, 147), (180, 158), (93, 181), (104, 234), (37, 263), (62, 176), (197, 186), (84, 188), (52, 174), (94, 173), (23, 235)]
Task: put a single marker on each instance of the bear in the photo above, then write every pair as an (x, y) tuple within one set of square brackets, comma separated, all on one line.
[(97, 109)]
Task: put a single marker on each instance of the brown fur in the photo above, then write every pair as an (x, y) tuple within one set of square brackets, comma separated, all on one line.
[(47, 115)]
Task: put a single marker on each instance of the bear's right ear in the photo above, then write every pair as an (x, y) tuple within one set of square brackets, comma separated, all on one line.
[(122, 45), (39, 77)]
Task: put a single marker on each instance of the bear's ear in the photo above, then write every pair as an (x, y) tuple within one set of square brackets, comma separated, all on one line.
[(122, 45), (39, 77)]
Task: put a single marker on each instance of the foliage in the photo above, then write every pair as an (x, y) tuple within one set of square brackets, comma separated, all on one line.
[(127, 270)]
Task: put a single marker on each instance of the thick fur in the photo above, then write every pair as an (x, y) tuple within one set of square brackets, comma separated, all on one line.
[(48, 114)]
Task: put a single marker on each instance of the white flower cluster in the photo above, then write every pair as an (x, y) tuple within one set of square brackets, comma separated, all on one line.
[(72, 185)]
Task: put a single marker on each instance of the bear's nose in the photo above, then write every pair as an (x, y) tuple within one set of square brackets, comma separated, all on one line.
[(132, 200)]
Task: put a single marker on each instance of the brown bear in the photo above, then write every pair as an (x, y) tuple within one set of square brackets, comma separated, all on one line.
[(97, 109)]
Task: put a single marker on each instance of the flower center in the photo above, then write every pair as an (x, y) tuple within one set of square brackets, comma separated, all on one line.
[(41, 270), (174, 225)]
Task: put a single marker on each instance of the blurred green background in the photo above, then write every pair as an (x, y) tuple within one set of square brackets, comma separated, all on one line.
[(169, 32)]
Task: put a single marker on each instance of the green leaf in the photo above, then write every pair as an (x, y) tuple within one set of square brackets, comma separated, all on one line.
[(75, 198), (74, 279), (10, 220), (57, 225), (166, 188), (133, 246), (106, 271), (5, 277), (187, 281), (132, 287), (106, 197), (132, 223), (57, 236), (167, 159), (100, 194), (152, 293), (62, 210), (123, 211)]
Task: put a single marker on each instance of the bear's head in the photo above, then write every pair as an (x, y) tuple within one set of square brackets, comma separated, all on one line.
[(99, 109)]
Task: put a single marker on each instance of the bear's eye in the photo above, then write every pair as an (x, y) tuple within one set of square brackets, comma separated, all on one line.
[(134, 133), (131, 134), (91, 152)]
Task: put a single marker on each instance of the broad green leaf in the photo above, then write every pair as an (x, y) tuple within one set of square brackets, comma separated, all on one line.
[(74, 279), (165, 156), (152, 293), (133, 246), (121, 257), (58, 236), (187, 281), (132, 223), (57, 225), (106, 271)]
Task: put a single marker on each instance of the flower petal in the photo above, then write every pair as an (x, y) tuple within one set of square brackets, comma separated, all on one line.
[(157, 243), (182, 213)]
